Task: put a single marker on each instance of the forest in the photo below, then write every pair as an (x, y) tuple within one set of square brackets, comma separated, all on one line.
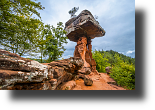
[(122, 67), (24, 34)]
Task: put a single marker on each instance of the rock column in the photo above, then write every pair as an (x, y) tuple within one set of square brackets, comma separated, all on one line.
[(80, 50), (83, 50)]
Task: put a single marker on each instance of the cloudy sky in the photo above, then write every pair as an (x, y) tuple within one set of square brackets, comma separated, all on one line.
[(116, 17)]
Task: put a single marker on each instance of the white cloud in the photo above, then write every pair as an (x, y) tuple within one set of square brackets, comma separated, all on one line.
[(121, 52), (129, 52)]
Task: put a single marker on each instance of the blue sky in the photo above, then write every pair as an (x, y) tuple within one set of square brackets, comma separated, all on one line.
[(117, 18)]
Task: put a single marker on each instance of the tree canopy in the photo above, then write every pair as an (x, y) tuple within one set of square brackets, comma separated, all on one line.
[(22, 33), (51, 42), (18, 27)]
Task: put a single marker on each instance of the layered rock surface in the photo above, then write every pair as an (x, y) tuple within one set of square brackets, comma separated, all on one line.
[(15, 69), (20, 73), (17, 73)]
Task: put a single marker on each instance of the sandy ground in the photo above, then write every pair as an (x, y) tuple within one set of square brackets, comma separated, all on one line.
[(100, 82)]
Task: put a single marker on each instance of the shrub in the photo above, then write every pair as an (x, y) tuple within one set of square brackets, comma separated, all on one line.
[(101, 62), (124, 74)]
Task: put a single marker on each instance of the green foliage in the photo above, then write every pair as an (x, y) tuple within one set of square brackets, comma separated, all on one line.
[(123, 73), (73, 11), (22, 33), (51, 42), (18, 29), (123, 67), (101, 62), (109, 54)]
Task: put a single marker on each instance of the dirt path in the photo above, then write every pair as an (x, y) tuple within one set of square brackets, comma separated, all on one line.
[(100, 82)]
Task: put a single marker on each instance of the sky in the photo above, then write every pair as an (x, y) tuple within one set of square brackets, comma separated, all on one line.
[(116, 17)]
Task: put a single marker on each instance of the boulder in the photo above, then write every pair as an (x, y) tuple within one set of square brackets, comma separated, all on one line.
[(108, 70), (65, 70), (88, 81), (70, 65)]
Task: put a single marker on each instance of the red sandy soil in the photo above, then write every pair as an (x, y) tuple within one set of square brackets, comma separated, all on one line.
[(99, 83)]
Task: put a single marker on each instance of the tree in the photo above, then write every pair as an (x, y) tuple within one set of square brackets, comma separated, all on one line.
[(51, 42), (18, 30), (41, 40), (73, 11), (96, 17)]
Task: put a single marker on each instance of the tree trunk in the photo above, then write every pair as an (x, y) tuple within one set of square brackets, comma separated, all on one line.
[(41, 53)]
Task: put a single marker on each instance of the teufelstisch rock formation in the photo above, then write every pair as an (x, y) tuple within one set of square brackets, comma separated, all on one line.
[(82, 29), (75, 73)]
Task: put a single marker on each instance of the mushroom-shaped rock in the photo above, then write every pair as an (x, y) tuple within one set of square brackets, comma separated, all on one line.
[(82, 29), (83, 24)]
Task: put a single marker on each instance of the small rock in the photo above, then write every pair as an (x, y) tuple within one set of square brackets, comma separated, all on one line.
[(88, 81)]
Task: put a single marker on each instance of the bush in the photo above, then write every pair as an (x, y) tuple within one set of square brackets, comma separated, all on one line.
[(101, 62), (124, 74)]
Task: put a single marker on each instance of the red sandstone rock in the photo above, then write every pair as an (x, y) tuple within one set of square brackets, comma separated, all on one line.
[(39, 80), (22, 74), (87, 80), (15, 69), (82, 29), (64, 70), (83, 24), (9, 54), (81, 50), (67, 85)]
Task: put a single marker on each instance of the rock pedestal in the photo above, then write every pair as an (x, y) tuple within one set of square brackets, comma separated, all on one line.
[(82, 29)]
